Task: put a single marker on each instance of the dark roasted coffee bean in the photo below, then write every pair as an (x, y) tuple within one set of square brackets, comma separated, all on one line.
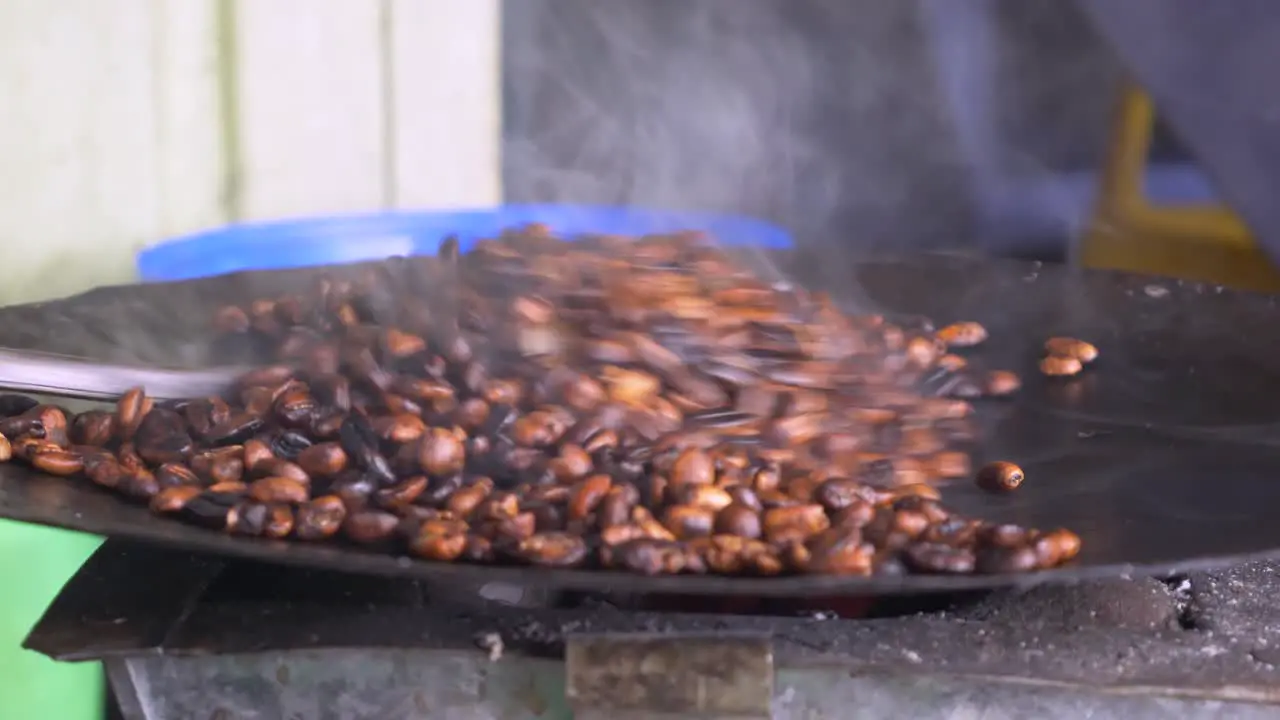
[(12, 404), (234, 430), (288, 444), (209, 509), (22, 426), (171, 475), (161, 437), (94, 427)]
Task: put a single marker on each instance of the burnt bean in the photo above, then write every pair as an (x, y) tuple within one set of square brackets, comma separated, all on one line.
[(248, 518), (12, 404), (288, 444), (209, 509), (236, 429)]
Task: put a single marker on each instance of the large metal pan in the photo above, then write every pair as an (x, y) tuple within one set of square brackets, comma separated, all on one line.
[(1164, 456)]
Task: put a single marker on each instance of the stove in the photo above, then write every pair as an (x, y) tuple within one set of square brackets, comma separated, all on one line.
[(192, 636)]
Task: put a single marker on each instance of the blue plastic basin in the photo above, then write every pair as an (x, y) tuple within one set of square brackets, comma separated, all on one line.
[(356, 238)]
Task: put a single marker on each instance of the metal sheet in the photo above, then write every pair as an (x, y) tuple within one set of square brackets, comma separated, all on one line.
[(1163, 457)]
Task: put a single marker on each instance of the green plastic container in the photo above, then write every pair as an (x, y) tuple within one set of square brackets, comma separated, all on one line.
[(35, 562)]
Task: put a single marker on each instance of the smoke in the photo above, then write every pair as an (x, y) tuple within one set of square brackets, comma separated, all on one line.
[(837, 118)]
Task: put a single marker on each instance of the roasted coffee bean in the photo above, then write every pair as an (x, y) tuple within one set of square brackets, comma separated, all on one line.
[(1001, 560), (58, 462), (740, 520), (794, 523), (248, 518), (687, 522), (161, 437), (441, 452), (465, 500), (236, 429), (288, 445), (209, 509), (440, 540), (225, 464), (963, 334), (272, 490), (324, 460), (941, 559), (22, 426), (320, 518), (95, 427), (369, 527), (174, 498), (131, 408), (1060, 366), (172, 475), (1001, 383), (401, 493), (1071, 348), (650, 405), (1000, 477), (1056, 547)]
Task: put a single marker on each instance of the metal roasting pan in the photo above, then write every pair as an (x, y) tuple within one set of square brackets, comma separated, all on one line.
[(1165, 456)]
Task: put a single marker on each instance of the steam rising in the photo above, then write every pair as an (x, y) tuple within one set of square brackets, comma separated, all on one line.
[(835, 118)]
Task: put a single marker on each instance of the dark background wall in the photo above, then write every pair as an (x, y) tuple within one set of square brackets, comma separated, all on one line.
[(828, 116)]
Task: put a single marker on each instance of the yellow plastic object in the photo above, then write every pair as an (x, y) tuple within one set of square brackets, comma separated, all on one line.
[(1197, 242)]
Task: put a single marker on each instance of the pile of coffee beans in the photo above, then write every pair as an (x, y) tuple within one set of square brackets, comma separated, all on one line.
[(648, 405)]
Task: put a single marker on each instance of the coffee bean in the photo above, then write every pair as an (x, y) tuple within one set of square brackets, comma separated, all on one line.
[(650, 406)]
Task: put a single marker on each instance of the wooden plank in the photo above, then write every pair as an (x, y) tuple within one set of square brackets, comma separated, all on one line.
[(309, 107), (77, 143), (446, 100)]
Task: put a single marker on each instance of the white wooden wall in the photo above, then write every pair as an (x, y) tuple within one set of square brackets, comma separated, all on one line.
[(126, 121)]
